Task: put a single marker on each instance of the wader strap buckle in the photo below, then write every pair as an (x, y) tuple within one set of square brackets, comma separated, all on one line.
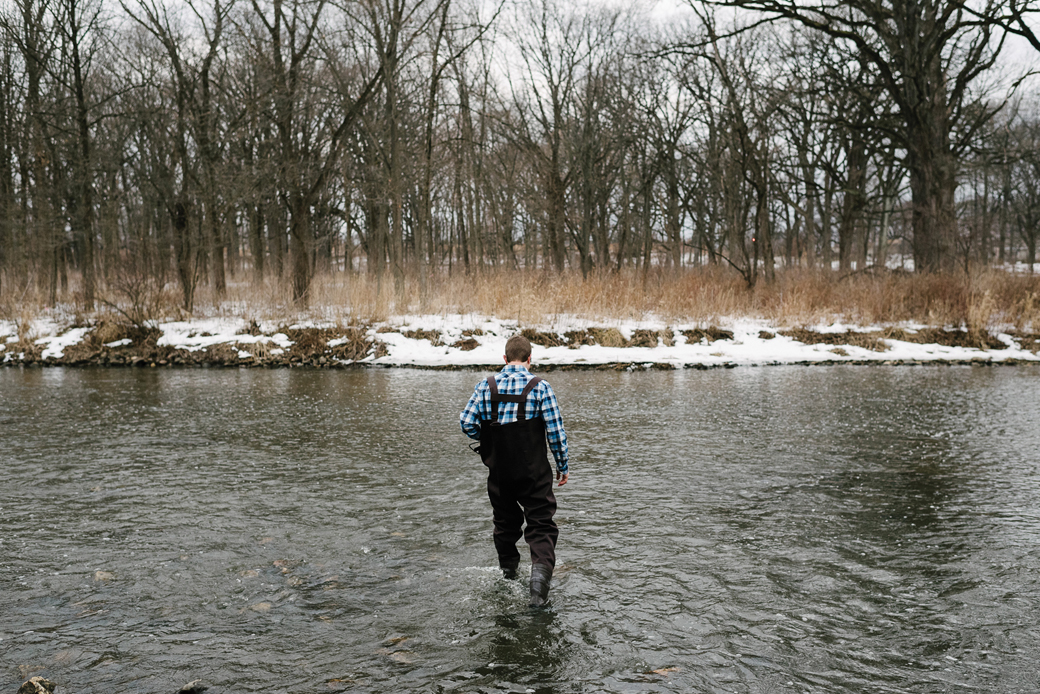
[(521, 400)]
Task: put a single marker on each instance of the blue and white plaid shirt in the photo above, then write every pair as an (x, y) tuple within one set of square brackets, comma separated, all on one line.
[(541, 402)]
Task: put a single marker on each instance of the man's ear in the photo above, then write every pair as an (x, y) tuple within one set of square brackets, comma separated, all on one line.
[(505, 358)]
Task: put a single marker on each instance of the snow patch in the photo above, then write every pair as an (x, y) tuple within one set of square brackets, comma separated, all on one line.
[(56, 344)]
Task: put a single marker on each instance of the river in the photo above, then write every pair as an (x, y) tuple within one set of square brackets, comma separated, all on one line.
[(781, 529)]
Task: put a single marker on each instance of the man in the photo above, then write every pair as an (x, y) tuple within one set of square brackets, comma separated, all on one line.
[(512, 414)]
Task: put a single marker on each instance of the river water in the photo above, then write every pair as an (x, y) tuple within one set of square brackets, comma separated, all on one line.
[(781, 529)]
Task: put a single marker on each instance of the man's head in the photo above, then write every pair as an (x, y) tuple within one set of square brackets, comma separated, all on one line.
[(518, 349)]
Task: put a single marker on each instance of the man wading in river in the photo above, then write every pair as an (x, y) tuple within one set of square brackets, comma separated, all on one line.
[(512, 414)]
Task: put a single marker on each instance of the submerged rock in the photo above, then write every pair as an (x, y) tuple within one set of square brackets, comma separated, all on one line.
[(37, 685), (193, 687)]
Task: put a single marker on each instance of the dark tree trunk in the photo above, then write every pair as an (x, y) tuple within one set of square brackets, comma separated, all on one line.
[(256, 240), (673, 222), (933, 177), (83, 216), (854, 198), (557, 213), (300, 243), (183, 248)]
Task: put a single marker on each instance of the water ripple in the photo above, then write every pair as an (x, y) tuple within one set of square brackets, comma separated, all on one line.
[(761, 530)]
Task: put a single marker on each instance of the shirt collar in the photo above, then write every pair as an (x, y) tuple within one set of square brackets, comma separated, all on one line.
[(514, 368)]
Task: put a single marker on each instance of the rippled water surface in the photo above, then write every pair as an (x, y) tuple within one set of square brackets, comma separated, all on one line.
[(784, 529)]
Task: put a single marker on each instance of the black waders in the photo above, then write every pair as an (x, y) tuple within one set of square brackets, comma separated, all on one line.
[(520, 487), (540, 575), (509, 567)]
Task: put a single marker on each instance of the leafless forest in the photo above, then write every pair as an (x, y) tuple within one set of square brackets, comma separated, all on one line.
[(149, 146)]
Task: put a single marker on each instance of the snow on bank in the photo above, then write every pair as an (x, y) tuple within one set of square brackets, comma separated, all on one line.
[(750, 346), (439, 341), (199, 334)]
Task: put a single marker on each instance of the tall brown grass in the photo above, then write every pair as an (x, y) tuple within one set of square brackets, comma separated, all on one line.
[(985, 299)]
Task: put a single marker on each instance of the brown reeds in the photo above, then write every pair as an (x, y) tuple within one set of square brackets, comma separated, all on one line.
[(703, 296)]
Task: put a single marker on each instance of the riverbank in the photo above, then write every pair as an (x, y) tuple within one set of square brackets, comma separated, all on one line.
[(471, 341)]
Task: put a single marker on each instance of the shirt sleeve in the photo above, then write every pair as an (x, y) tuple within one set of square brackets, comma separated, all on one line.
[(554, 432), (471, 415)]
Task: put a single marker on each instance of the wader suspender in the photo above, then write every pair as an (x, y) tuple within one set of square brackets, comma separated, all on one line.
[(521, 400)]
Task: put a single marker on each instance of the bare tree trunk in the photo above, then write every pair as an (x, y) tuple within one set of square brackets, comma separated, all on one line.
[(187, 258), (424, 225), (1002, 220), (624, 220), (82, 220), (7, 188), (206, 134), (985, 254), (826, 220), (932, 169), (394, 183), (301, 240), (557, 209), (854, 198), (275, 217), (763, 227), (255, 214), (673, 223), (809, 246)]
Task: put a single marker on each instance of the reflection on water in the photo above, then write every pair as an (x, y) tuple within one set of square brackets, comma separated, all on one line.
[(786, 529)]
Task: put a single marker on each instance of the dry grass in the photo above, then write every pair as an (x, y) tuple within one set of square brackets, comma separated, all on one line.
[(530, 297), (703, 296)]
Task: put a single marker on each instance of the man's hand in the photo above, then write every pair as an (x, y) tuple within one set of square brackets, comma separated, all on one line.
[(562, 477)]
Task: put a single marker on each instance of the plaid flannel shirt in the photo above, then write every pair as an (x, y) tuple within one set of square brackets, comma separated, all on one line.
[(541, 402)]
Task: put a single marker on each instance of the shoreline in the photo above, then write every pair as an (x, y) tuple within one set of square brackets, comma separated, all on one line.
[(535, 368), (659, 366), (467, 342)]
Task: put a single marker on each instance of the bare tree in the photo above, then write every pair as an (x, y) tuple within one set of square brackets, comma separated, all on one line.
[(927, 54), (751, 145), (552, 50), (8, 124), (310, 134), (30, 26), (807, 118), (669, 113), (1025, 176), (79, 26)]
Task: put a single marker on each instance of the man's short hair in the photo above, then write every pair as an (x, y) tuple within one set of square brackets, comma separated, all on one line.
[(518, 348)]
